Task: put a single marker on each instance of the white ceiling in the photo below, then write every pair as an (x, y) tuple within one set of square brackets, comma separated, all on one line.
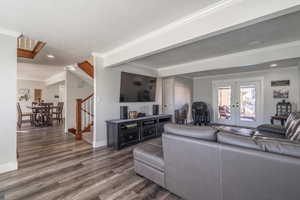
[(279, 30), (263, 66), (74, 29), (37, 72)]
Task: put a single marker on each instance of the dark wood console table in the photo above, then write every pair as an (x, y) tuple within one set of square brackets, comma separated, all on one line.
[(126, 132), (282, 119)]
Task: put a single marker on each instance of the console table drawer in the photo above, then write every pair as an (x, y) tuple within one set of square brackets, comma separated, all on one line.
[(129, 133), (148, 132), (129, 138)]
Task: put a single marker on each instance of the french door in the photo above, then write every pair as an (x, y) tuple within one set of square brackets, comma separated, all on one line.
[(238, 102)]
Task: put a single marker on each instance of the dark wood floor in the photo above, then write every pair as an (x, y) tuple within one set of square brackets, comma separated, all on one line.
[(52, 165)]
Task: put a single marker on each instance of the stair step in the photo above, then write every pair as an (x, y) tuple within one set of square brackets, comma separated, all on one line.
[(88, 137)]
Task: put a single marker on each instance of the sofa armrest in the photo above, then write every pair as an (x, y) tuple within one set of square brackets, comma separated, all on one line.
[(276, 129)]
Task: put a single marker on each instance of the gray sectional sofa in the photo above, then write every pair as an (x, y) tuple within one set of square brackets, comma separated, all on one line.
[(217, 164)]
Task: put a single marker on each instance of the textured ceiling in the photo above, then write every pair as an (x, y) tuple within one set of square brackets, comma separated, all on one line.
[(279, 30)]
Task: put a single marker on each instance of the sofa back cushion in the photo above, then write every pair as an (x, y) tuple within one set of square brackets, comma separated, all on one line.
[(290, 131), (237, 140), (280, 146), (197, 132)]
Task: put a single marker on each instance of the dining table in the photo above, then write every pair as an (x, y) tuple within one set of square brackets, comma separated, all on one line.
[(42, 115)]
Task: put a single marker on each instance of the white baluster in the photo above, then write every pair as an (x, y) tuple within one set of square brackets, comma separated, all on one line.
[(90, 104), (84, 104)]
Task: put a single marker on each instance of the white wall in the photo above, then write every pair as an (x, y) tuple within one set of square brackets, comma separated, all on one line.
[(76, 88), (203, 87), (178, 91), (183, 94), (52, 90), (107, 91), (57, 89), (8, 77), (31, 85)]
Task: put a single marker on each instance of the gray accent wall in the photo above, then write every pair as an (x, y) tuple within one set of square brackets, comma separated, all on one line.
[(8, 87), (203, 87)]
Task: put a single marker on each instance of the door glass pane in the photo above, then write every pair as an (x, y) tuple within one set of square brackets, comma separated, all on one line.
[(248, 103), (224, 102)]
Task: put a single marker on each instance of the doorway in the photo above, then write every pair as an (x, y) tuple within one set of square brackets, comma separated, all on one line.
[(238, 102)]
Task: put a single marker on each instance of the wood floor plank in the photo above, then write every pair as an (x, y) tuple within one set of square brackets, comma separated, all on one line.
[(53, 165)]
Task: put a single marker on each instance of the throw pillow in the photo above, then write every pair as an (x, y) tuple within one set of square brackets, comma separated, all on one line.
[(292, 128)]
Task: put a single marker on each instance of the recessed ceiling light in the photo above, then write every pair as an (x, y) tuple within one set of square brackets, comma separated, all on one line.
[(256, 42), (50, 56), (274, 65)]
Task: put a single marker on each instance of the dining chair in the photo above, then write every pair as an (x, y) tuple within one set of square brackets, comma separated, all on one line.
[(45, 114), (21, 115), (58, 114)]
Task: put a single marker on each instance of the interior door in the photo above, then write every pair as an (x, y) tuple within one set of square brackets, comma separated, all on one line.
[(224, 93), (248, 103)]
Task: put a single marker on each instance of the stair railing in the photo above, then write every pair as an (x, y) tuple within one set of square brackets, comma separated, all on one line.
[(84, 115)]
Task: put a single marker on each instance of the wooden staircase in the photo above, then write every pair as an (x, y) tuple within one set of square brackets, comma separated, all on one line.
[(84, 116), (87, 67), (84, 108)]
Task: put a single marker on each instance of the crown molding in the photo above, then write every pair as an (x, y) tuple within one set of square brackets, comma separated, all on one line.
[(98, 55), (7, 32), (169, 27)]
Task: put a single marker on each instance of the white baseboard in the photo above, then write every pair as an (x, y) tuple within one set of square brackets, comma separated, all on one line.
[(101, 143), (8, 167)]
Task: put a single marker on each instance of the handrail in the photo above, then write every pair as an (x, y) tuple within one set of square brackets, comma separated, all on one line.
[(84, 115), (84, 100)]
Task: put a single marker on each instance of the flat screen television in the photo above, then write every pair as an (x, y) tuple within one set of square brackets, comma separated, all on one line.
[(137, 88)]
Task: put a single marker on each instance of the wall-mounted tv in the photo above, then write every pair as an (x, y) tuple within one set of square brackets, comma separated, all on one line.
[(137, 88)]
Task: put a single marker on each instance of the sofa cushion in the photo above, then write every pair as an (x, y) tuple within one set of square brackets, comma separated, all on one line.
[(237, 140), (268, 135), (198, 132), (272, 128), (280, 146), (151, 155), (292, 128), (156, 142)]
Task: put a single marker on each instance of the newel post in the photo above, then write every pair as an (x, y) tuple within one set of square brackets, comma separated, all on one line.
[(78, 119)]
